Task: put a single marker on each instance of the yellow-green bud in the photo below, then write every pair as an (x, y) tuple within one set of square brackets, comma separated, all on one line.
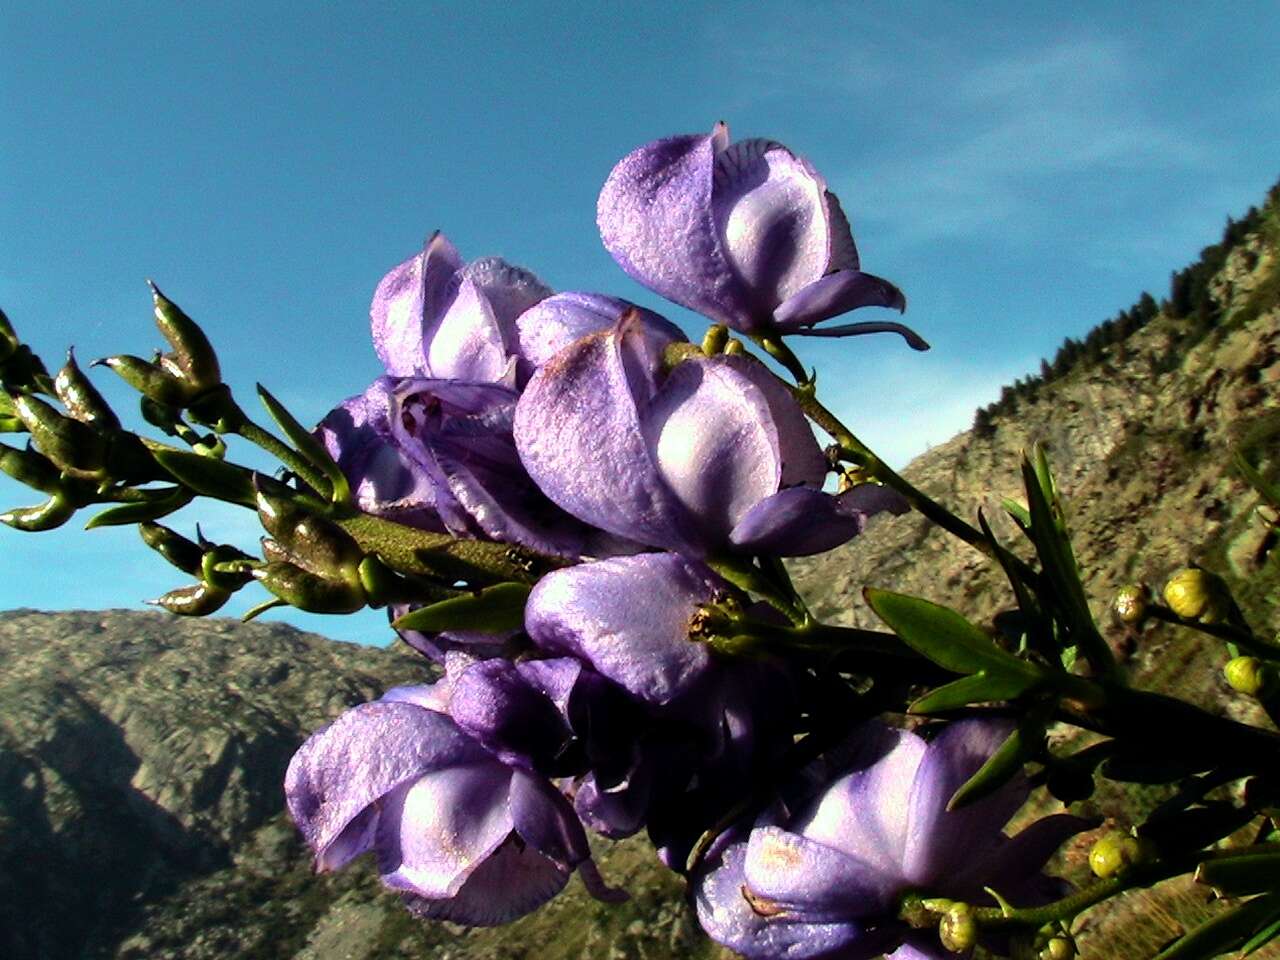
[(1114, 852), (958, 929), (1058, 948), (1130, 604), (1196, 594), (1249, 675), (715, 339), (735, 347)]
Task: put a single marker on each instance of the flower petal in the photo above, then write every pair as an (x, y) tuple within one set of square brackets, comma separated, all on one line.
[(1013, 868), (838, 293), (552, 324), (420, 288), (922, 945), (811, 881), (864, 813), (436, 831), (362, 756), (628, 617), (941, 843), (545, 820), (770, 209), (755, 930), (512, 881), (494, 703), (714, 443), (578, 432), (656, 220)]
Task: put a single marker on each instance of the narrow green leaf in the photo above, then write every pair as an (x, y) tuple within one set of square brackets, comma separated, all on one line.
[(1020, 515), (1226, 931), (1001, 767), (207, 476), (141, 512), (978, 687), (1268, 491), (496, 609), (258, 609), (1261, 938), (308, 446), (1245, 874), (947, 638)]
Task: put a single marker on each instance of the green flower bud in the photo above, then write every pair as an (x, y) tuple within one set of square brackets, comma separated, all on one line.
[(197, 600), (312, 542), (1248, 675), (1058, 948), (31, 468), (149, 379), (958, 929), (54, 512), (306, 591), (1130, 604), (715, 339), (192, 352), (8, 338), (225, 567), (1114, 852), (174, 547), (70, 444), (1196, 594), (82, 399)]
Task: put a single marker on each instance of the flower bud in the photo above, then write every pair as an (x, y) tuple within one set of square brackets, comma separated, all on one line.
[(306, 591), (174, 547), (54, 512), (30, 468), (958, 929), (1196, 594), (149, 379), (1248, 675), (8, 338), (82, 399), (1058, 948), (197, 600), (1114, 852), (313, 542), (1130, 604), (192, 353), (70, 444)]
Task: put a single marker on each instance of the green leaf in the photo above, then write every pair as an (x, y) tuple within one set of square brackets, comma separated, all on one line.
[(308, 446), (1226, 931), (1021, 516), (979, 687), (948, 639), (1001, 767), (207, 476), (1268, 491), (1245, 874), (1261, 938), (496, 609), (141, 512)]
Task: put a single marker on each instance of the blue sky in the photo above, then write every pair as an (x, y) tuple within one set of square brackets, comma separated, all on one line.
[(1022, 172)]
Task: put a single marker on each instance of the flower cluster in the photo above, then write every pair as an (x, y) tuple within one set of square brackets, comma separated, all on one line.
[(589, 430)]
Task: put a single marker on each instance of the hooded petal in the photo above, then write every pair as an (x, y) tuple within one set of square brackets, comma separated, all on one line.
[(811, 881), (838, 293), (656, 219), (551, 325), (770, 210), (493, 702), (421, 287), (578, 431), (545, 820), (512, 881), (757, 928), (714, 443), (628, 617), (366, 753), (434, 832), (942, 843)]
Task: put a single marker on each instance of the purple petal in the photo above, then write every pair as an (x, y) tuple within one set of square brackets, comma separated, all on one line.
[(362, 756), (421, 286), (512, 881), (864, 813), (770, 209), (803, 521), (434, 832), (494, 703), (466, 342), (551, 325), (429, 696), (839, 293), (509, 290), (578, 432), (617, 811), (546, 821), (628, 617), (922, 945), (656, 219), (942, 843), (557, 678), (1014, 866), (844, 253), (714, 442), (759, 930), (811, 881), (802, 461)]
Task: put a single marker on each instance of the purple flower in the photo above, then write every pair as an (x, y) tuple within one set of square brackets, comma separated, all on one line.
[(439, 454), (826, 880), (434, 316), (714, 455), (746, 233), (460, 832)]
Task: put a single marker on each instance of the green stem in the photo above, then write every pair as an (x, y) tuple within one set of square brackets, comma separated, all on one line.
[(1227, 632), (283, 452)]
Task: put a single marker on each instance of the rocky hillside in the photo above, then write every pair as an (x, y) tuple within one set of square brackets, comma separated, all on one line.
[(141, 756)]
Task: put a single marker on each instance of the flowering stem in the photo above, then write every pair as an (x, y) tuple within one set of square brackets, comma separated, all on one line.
[(260, 437), (1228, 632)]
